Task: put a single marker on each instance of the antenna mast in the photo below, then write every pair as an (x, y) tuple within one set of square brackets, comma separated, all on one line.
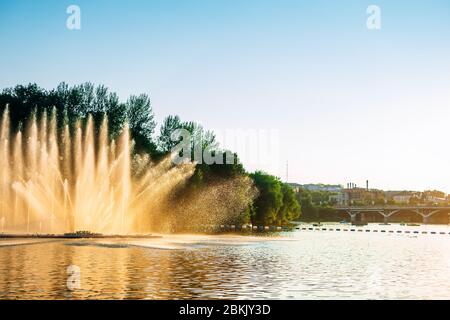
[(287, 171)]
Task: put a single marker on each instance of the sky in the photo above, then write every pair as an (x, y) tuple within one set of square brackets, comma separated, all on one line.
[(334, 100)]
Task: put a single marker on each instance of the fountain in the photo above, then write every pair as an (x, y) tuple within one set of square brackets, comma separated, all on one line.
[(55, 181)]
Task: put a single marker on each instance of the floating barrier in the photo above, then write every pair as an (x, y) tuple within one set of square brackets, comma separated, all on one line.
[(249, 227), (374, 231)]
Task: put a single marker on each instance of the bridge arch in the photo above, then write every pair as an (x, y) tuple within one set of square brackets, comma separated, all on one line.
[(411, 214)]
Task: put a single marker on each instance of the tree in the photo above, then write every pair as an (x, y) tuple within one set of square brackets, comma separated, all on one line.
[(116, 113), (270, 199), (290, 208), (200, 136), (309, 211), (23, 101), (414, 201), (170, 124), (141, 122)]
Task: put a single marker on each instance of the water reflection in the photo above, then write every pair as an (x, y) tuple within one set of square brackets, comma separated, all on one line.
[(312, 265)]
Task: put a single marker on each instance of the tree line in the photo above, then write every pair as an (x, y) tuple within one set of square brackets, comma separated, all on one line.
[(317, 206), (274, 202)]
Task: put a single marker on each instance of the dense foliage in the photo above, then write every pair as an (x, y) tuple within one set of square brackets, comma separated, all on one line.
[(317, 206), (275, 202)]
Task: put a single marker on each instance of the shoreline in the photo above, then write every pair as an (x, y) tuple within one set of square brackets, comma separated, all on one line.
[(62, 236)]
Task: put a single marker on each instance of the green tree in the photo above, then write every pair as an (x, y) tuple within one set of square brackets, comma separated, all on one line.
[(169, 125), (309, 211), (141, 122), (414, 201), (269, 200), (290, 209)]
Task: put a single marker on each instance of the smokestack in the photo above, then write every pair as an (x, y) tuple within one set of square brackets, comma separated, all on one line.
[(367, 185)]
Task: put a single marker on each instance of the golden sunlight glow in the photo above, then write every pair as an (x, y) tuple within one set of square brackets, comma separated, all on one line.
[(54, 183)]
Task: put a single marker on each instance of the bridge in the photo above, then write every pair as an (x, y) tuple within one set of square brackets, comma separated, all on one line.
[(426, 212)]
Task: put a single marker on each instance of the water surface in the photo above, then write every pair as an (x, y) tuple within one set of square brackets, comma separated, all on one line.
[(296, 265)]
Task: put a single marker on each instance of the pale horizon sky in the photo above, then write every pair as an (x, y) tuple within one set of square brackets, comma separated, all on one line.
[(349, 104)]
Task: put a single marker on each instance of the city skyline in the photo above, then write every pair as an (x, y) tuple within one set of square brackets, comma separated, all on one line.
[(352, 185), (349, 103)]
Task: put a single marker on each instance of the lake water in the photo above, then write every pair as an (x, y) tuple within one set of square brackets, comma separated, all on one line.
[(295, 265)]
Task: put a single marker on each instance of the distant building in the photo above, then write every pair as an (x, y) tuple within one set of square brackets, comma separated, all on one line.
[(322, 187), (359, 196), (351, 196), (295, 186), (355, 196), (436, 200), (341, 199), (402, 199)]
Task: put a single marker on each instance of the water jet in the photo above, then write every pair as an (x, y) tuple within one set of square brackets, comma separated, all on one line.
[(60, 180)]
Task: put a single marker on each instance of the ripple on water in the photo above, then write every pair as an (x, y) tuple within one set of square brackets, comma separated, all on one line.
[(326, 265)]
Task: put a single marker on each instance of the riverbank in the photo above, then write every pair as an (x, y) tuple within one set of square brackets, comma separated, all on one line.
[(75, 236)]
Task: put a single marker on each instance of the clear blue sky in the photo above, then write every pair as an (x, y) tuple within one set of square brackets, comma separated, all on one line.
[(350, 104)]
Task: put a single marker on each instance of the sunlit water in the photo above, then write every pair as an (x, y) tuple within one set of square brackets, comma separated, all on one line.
[(296, 265)]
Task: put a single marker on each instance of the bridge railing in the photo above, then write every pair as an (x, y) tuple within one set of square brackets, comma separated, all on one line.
[(391, 207)]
